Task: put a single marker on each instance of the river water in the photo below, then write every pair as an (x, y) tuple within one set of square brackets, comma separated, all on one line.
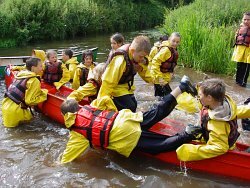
[(30, 153)]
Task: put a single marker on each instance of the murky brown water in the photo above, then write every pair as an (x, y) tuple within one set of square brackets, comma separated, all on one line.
[(30, 153)]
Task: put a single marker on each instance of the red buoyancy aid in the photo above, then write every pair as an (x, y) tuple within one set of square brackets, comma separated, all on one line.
[(84, 75), (130, 72), (16, 92), (169, 64), (233, 135), (95, 125), (97, 85), (243, 36), (53, 72)]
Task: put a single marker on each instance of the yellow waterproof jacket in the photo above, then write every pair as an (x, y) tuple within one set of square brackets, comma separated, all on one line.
[(87, 90), (219, 130), (71, 64), (123, 137), (243, 111), (144, 72), (12, 113), (154, 51), (76, 78), (40, 54), (163, 55), (186, 102), (111, 77), (65, 76), (241, 54)]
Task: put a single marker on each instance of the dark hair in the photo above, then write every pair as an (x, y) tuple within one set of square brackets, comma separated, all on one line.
[(118, 37), (32, 61), (68, 52), (214, 87), (163, 38), (87, 53), (70, 105), (247, 13)]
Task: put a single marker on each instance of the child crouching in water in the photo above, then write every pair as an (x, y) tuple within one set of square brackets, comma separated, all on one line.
[(55, 72), (23, 93), (91, 88), (82, 70)]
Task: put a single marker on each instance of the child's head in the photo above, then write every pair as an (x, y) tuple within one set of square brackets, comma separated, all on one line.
[(35, 65), (116, 41), (98, 71), (87, 58), (163, 38), (211, 90), (246, 19), (70, 105), (140, 47), (174, 39), (51, 56), (67, 54)]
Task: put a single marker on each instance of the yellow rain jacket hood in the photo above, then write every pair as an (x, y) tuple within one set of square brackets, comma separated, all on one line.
[(123, 136), (71, 64), (12, 113), (219, 130), (40, 54)]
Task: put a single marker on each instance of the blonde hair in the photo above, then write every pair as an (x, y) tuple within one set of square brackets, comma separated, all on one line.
[(98, 71), (49, 52), (175, 34), (141, 44)]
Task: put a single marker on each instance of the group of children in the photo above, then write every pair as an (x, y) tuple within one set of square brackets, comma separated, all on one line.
[(111, 120)]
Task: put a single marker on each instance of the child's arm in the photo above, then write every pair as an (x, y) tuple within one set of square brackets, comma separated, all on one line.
[(243, 111), (76, 79), (65, 77)]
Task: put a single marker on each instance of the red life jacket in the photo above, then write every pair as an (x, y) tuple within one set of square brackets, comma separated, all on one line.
[(97, 85), (95, 125), (233, 135), (130, 72), (16, 92), (243, 36), (169, 64), (84, 75), (53, 72)]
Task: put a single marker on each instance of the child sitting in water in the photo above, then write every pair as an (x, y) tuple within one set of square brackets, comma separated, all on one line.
[(82, 70), (218, 121), (101, 125), (116, 41), (22, 94), (91, 88), (70, 61), (55, 72), (163, 64)]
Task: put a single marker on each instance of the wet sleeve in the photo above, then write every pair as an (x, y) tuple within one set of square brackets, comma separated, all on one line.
[(243, 111), (76, 145), (76, 79), (65, 77), (83, 91), (111, 76), (215, 146), (34, 94), (72, 70)]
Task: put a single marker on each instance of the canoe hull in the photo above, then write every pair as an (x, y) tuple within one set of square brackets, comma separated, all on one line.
[(235, 163)]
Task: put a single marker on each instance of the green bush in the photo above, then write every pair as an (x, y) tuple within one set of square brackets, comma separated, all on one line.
[(207, 29)]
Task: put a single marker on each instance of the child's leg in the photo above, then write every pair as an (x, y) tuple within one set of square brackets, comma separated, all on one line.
[(242, 73), (154, 143), (76, 145), (162, 90), (125, 102)]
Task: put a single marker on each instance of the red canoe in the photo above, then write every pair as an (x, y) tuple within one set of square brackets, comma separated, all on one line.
[(235, 163)]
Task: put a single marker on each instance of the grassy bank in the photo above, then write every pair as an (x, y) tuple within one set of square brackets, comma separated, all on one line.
[(207, 29), (27, 21)]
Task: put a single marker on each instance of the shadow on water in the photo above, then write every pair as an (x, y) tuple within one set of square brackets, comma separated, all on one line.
[(30, 153)]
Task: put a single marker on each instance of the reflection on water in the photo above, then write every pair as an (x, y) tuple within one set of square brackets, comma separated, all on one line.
[(30, 153)]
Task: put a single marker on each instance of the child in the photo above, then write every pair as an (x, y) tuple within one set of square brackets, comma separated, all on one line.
[(55, 72), (70, 61), (116, 40), (242, 51), (118, 78), (91, 88), (101, 125), (82, 70), (163, 64), (218, 121), (22, 94)]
